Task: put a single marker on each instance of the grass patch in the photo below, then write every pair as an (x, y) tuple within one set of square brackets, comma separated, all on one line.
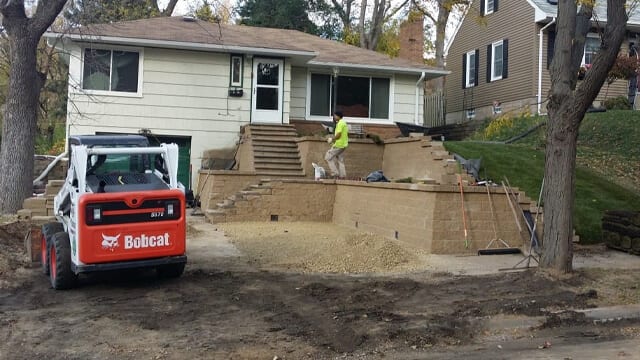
[(524, 167)]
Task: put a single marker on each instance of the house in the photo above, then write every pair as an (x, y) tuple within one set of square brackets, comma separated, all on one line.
[(197, 83), (500, 56)]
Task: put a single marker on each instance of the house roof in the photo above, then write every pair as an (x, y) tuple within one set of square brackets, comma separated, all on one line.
[(188, 33), (544, 8)]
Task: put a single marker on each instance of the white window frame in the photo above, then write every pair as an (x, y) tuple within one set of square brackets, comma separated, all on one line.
[(493, 60), (471, 54), (584, 52), (488, 10), (354, 120), (140, 52), (231, 82)]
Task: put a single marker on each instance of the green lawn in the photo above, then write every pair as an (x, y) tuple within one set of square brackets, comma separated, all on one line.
[(523, 165)]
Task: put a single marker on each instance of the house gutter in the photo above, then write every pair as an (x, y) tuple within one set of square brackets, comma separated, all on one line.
[(417, 110), (541, 38), (389, 68)]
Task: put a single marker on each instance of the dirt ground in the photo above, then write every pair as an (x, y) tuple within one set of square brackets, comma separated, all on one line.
[(314, 291)]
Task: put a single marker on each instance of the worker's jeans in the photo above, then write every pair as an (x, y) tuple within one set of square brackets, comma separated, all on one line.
[(335, 159)]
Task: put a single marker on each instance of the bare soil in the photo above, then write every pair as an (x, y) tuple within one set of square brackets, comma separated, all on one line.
[(249, 298)]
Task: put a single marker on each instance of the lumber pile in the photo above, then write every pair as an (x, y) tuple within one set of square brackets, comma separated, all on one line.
[(621, 230)]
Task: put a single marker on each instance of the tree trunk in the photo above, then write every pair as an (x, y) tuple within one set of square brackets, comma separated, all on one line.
[(21, 107), (567, 107), (558, 194), (441, 27), (20, 123)]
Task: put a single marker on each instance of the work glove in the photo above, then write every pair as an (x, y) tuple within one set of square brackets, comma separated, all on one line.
[(329, 140)]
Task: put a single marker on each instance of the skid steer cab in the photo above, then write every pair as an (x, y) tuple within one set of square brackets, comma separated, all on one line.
[(121, 207)]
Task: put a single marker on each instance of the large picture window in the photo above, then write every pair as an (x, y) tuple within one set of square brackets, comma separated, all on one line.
[(110, 70), (355, 96)]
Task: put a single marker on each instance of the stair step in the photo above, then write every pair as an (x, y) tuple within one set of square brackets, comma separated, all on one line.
[(260, 166), (270, 127), (275, 149), (275, 133), (275, 154), (289, 173), (276, 160), (279, 139), (274, 145)]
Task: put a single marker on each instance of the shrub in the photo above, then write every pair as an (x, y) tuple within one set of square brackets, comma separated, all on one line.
[(617, 103)]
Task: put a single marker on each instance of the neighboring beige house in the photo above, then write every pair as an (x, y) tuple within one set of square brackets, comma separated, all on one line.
[(197, 83), (501, 54)]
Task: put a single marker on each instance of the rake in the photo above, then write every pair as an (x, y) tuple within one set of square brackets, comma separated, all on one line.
[(496, 251)]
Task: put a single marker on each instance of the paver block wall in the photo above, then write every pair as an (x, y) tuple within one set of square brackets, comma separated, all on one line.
[(361, 157), (430, 216), (295, 200), (448, 225), (215, 186), (391, 210), (407, 157)]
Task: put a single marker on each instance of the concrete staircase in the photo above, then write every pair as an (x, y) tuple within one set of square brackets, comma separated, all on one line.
[(275, 151)]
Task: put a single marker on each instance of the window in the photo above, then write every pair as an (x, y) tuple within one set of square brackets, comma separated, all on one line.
[(497, 53), (591, 47), (470, 113), (236, 71), (111, 70), (470, 69), (496, 61), (356, 96), (488, 7)]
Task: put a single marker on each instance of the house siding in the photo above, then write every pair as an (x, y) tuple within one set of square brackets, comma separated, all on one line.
[(617, 88), (514, 21), (185, 98), (298, 93), (404, 99)]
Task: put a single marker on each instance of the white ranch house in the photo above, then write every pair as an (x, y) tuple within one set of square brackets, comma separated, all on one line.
[(197, 83)]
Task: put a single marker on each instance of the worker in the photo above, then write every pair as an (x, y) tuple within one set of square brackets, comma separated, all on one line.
[(339, 141)]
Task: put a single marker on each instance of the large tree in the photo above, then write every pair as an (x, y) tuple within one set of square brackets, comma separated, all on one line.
[(281, 14), (20, 112), (373, 17), (100, 11), (568, 103), (439, 13)]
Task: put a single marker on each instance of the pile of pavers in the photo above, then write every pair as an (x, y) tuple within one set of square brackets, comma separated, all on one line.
[(621, 230), (40, 205)]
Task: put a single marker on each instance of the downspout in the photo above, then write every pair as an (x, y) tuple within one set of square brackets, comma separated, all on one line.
[(417, 110), (541, 36)]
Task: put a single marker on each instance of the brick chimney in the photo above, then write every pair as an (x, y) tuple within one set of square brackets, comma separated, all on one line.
[(412, 37)]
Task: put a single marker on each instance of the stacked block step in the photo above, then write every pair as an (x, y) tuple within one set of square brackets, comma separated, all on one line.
[(275, 151)]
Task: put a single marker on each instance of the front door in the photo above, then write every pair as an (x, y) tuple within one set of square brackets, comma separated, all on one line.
[(266, 104)]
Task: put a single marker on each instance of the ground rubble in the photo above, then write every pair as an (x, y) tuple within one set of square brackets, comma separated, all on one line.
[(245, 296)]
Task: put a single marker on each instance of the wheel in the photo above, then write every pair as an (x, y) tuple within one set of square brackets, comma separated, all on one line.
[(170, 271), (47, 230), (60, 273)]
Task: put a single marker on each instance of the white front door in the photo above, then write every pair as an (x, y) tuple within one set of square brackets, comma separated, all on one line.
[(266, 103)]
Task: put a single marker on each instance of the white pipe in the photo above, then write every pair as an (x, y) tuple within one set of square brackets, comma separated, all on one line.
[(49, 167), (541, 36), (417, 110)]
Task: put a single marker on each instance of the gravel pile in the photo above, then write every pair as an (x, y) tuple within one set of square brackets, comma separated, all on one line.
[(320, 247)]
